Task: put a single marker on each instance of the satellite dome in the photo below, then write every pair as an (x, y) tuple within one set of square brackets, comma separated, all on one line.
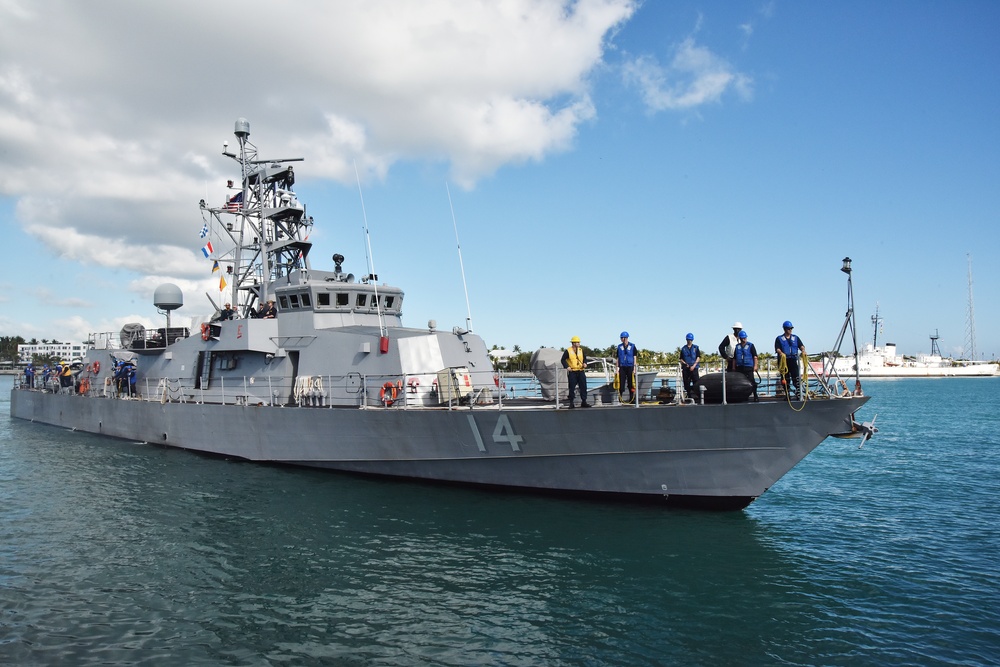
[(168, 297)]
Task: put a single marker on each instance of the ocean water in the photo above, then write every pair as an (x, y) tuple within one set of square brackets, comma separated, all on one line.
[(114, 553)]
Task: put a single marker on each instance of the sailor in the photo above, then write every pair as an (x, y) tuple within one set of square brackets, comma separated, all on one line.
[(29, 376), (728, 345), (66, 375), (575, 364), (788, 346), (745, 359), (227, 313), (121, 378), (268, 311), (46, 372), (625, 367), (690, 362)]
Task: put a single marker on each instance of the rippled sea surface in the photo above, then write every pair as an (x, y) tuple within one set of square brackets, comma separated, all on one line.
[(114, 553)]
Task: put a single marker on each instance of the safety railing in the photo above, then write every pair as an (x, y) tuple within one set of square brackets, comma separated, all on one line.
[(476, 389)]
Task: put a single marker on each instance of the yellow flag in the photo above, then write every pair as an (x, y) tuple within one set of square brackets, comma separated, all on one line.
[(222, 283)]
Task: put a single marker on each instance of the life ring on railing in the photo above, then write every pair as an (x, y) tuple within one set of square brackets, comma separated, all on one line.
[(496, 381), (205, 331), (95, 368), (84, 385), (388, 394), (413, 383)]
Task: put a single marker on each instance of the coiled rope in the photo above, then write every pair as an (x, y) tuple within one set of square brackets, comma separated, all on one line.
[(783, 372)]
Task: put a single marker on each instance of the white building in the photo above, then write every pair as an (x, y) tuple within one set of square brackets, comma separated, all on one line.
[(64, 351)]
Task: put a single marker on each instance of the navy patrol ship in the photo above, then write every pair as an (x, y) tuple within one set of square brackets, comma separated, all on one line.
[(336, 381)]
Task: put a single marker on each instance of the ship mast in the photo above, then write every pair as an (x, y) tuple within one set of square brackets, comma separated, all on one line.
[(876, 323), (268, 228), (970, 325), (935, 350)]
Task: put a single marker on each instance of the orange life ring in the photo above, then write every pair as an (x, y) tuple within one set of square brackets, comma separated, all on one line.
[(95, 368), (413, 383), (205, 331), (388, 394)]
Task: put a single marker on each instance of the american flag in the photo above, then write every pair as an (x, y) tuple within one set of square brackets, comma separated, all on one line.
[(235, 202)]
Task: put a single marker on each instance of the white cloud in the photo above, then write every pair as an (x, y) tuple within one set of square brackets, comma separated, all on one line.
[(694, 77), (110, 111)]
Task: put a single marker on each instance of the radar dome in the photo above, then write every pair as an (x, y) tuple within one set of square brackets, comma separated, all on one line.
[(168, 297)]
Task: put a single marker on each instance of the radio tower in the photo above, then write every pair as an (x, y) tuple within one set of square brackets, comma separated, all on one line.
[(970, 325)]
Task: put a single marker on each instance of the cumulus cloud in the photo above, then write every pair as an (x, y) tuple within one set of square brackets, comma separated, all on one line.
[(111, 111), (695, 76)]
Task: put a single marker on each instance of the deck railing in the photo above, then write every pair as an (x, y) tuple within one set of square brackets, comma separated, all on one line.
[(484, 389)]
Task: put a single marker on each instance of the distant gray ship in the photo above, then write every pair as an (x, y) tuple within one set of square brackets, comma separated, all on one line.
[(335, 381)]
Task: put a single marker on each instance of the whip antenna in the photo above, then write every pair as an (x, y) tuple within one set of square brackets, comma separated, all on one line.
[(468, 308), (371, 260)]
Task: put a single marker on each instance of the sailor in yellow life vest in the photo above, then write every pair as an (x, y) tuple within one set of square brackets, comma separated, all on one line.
[(575, 365), (66, 375)]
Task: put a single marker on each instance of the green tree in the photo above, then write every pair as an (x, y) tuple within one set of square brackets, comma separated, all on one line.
[(8, 347)]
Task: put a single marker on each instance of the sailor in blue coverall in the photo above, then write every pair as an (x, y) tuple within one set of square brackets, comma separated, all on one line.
[(690, 360), (745, 358), (625, 365), (791, 346)]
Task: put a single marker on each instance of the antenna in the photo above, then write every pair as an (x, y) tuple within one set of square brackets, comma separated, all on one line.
[(371, 260), (970, 325), (877, 325), (461, 264)]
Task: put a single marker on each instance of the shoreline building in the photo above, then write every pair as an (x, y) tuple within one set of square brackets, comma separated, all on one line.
[(65, 351)]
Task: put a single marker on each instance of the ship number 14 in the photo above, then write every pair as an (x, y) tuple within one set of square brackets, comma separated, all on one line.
[(503, 432)]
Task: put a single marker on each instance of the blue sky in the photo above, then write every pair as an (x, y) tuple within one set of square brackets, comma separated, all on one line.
[(660, 167)]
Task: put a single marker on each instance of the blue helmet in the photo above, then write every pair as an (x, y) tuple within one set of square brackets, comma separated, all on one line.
[(743, 334), (786, 325), (690, 336), (624, 334)]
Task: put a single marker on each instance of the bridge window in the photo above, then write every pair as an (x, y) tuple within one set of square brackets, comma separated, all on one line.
[(361, 300)]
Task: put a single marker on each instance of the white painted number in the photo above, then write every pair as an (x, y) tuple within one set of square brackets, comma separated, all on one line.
[(503, 432)]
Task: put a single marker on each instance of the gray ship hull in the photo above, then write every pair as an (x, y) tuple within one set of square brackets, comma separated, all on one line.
[(715, 456)]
